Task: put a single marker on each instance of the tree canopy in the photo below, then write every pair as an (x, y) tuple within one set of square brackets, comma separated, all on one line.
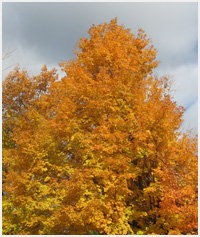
[(98, 151)]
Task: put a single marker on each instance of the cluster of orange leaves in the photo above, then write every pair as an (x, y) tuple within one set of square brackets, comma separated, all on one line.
[(97, 151)]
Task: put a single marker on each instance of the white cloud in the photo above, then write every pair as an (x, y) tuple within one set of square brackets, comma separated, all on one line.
[(185, 91), (185, 83), (191, 118)]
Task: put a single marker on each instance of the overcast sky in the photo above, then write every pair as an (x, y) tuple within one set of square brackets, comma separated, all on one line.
[(46, 33)]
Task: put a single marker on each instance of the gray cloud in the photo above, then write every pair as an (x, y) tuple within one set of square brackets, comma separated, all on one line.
[(46, 33), (55, 27)]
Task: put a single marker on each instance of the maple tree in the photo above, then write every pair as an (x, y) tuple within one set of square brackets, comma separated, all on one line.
[(97, 152)]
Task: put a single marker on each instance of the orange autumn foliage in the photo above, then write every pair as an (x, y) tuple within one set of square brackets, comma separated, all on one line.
[(97, 152)]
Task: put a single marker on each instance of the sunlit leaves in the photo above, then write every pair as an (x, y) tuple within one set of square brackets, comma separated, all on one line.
[(97, 151)]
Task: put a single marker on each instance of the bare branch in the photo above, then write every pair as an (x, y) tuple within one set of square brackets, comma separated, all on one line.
[(8, 54)]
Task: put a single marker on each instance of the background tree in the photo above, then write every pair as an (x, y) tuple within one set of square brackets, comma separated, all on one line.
[(99, 150)]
